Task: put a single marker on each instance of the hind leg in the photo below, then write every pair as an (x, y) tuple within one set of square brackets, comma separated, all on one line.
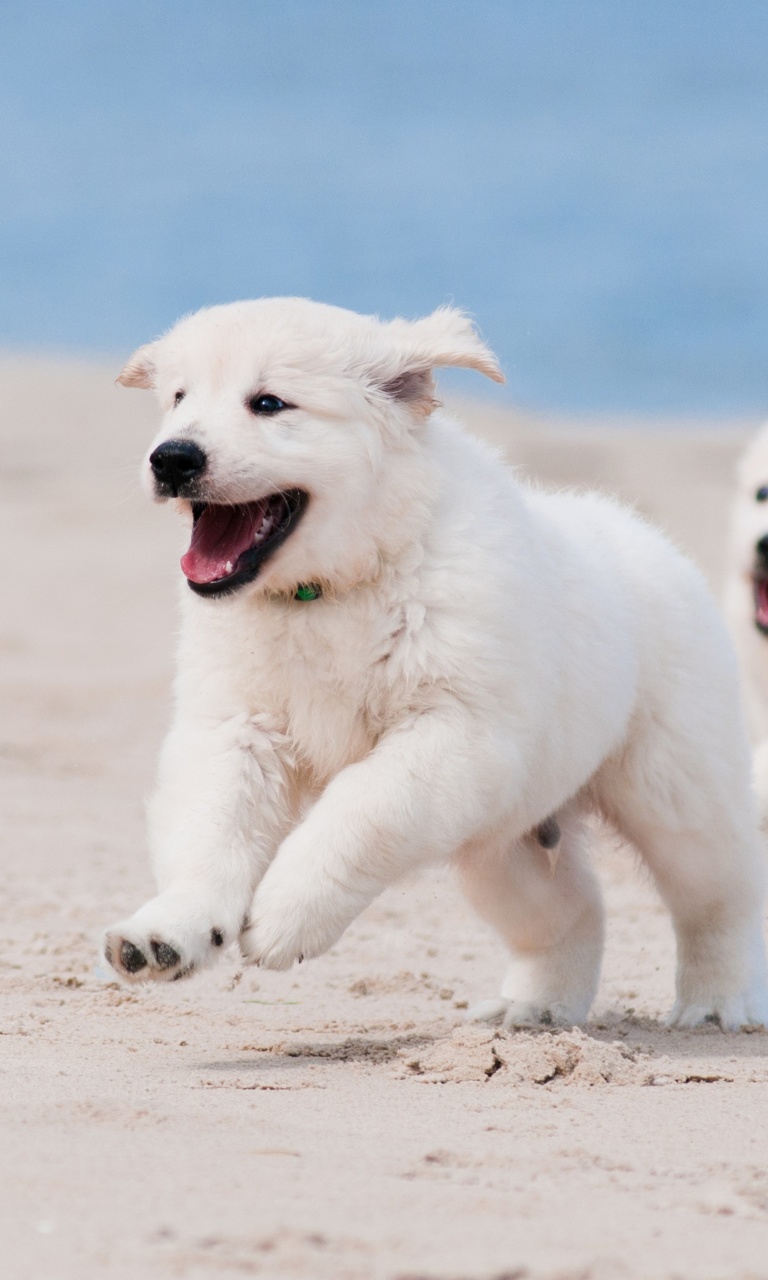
[(547, 908), (691, 815)]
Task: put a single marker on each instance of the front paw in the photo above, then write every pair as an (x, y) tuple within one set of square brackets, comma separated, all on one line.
[(164, 941), (291, 923)]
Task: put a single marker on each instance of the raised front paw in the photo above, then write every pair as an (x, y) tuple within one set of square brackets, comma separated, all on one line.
[(164, 941)]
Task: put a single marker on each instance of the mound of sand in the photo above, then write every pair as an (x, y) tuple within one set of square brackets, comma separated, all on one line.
[(510, 1058)]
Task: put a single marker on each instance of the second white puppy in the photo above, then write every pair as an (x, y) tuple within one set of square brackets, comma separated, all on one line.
[(746, 598), (392, 653)]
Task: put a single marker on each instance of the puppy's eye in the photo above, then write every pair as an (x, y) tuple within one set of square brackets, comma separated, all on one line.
[(267, 405), (177, 399), (762, 494)]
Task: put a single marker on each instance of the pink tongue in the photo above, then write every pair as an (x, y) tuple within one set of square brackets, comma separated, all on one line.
[(219, 538), (761, 601)]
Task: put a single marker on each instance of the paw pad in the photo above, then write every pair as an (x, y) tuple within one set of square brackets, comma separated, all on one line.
[(165, 955), (131, 958)]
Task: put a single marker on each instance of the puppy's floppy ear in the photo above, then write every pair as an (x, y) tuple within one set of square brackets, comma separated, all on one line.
[(445, 339), (140, 369), (448, 338)]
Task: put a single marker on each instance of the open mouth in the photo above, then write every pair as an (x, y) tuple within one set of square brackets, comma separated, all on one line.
[(760, 590), (230, 543)]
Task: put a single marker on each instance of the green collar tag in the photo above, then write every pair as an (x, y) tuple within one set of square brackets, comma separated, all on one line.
[(307, 591)]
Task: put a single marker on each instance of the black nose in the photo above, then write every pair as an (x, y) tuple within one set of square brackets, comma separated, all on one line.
[(174, 463), (761, 548)]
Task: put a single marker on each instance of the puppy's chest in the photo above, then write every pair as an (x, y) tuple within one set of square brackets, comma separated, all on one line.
[(329, 681)]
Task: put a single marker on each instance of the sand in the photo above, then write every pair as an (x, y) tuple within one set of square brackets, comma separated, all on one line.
[(340, 1120)]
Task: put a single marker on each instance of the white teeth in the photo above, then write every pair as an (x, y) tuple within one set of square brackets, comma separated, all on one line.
[(228, 566), (264, 529)]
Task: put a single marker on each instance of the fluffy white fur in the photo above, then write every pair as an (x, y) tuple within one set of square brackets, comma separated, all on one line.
[(484, 656), (749, 526)]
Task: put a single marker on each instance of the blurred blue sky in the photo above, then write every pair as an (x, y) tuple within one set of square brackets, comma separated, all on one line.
[(589, 179)]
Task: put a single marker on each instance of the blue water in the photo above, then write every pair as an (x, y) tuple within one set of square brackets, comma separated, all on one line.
[(590, 179)]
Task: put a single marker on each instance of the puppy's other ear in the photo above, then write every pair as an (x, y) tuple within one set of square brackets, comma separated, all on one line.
[(445, 339), (448, 339), (140, 369), (415, 387)]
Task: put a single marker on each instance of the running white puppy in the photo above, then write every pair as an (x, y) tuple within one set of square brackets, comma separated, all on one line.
[(392, 653), (746, 598)]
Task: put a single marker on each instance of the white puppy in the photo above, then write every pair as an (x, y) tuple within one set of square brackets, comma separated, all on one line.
[(746, 598), (392, 653)]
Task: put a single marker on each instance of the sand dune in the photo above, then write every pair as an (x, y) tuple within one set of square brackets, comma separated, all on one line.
[(339, 1121)]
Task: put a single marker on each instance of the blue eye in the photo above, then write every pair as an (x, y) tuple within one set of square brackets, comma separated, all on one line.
[(762, 494), (267, 405)]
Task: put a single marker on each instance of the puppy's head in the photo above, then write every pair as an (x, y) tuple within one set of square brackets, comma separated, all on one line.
[(289, 433), (750, 525)]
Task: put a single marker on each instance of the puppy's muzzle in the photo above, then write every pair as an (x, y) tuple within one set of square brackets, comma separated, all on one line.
[(176, 466), (760, 584)]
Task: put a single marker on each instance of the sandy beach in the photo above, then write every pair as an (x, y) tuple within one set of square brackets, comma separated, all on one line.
[(338, 1122)]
